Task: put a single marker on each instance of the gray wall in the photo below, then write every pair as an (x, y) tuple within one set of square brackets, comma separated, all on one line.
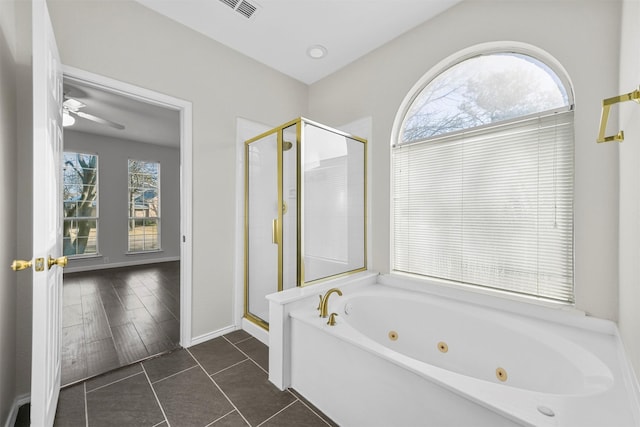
[(25, 202), (126, 41), (8, 210), (579, 36), (113, 155)]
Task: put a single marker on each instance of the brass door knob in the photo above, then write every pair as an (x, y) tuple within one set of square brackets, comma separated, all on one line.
[(60, 262), (19, 265)]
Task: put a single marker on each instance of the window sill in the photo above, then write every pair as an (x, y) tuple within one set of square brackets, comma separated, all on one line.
[(84, 256), (491, 298), (155, 251)]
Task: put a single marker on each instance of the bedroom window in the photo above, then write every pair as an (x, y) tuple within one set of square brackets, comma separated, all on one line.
[(144, 206), (482, 178), (80, 204)]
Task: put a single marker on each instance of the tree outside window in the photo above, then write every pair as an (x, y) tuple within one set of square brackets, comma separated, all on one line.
[(480, 91), (80, 204)]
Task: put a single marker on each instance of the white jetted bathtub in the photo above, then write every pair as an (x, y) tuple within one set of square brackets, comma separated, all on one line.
[(402, 358)]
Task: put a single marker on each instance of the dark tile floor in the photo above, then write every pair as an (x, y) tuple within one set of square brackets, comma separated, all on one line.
[(222, 382), (114, 317)]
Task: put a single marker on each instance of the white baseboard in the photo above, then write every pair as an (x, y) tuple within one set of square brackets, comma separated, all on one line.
[(17, 403), (256, 331), (80, 268), (211, 335), (251, 328)]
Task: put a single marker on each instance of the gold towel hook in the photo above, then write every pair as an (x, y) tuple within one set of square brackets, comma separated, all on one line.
[(606, 106)]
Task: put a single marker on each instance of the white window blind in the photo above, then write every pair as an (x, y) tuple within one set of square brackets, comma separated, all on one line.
[(490, 206)]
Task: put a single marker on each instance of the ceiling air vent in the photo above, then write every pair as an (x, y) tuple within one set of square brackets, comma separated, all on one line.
[(244, 7), (231, 3), (247, 9)]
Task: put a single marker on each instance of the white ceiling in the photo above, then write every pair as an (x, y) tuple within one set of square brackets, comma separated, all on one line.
[(143, 122), (279, 33)]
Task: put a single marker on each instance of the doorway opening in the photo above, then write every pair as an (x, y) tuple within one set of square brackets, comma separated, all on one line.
[(127, 289)]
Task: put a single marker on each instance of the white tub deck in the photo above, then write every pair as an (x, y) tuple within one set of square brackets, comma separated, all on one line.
[(334, 365)]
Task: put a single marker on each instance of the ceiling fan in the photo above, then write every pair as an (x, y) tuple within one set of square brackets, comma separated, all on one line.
[(71, 107)]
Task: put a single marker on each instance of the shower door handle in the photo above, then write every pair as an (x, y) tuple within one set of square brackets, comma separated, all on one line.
[(274, 231)]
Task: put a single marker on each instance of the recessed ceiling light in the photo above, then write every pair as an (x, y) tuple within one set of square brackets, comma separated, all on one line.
[(317, 51)]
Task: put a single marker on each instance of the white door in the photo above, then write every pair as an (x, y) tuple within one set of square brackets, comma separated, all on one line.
[(47, 224)]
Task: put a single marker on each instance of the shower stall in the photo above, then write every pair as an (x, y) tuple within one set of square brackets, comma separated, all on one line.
[(305, 210)]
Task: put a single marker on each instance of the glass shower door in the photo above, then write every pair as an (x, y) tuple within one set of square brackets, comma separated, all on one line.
[(261, 226), (305, 210), (333, 214)]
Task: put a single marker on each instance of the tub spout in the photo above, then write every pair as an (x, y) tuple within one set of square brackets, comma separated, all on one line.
[(324, 301)]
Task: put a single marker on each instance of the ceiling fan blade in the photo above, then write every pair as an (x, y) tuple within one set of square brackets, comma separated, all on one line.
[(98, 119)]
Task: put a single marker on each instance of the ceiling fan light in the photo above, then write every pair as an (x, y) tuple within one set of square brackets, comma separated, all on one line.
[(73, 104), (67, 119)]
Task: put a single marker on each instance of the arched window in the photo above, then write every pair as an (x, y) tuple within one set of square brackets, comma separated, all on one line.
[(483, 177)]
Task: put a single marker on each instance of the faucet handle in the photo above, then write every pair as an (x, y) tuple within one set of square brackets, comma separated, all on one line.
[(332, 319), (319, 307)]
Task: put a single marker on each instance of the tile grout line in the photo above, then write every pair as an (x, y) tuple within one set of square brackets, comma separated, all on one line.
[(173, 375), (242, 340), (296, 399), (219, 388), (198, 364), (280, 411), (216, 420), (112, 382), (313, 411), (293, 395), (229, 367), (156, 396), (256, 363), (245, 354)]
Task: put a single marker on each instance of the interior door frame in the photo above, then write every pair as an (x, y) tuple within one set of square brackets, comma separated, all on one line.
[(186, 176)]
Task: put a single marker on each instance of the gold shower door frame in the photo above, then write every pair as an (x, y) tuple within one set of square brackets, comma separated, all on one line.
[(278, 229)]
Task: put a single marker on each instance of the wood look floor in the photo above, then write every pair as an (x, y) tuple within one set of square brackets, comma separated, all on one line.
[(115, 317)]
